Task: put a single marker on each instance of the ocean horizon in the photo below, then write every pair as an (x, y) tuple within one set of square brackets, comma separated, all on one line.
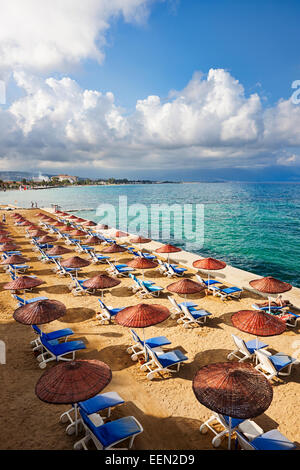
[(251, 226)]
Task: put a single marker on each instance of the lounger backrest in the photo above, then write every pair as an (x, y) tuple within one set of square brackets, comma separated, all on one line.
[(19, 299), (36, 329), (186, 312), (173, 302), (136, 337), (243, 441), (170, 269), (265, 362), (152, 355), (240, 344), (199, 279)]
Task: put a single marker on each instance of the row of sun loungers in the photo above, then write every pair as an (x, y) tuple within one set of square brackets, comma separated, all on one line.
[(249, 435), (270, 365)]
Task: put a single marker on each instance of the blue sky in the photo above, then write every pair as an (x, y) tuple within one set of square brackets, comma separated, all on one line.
[(257, 41), (81, 80)]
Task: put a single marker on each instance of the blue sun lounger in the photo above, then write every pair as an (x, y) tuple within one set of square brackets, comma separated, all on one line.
[(106, 436), (160, 361), (233, 292), (55, 351), (251, 437), (97, 404), (107, 313), (139, 348), (27, 301), (62, 334)]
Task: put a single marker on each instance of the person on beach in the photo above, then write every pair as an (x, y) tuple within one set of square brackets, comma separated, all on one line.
[(36, 205), (32, 205), (3, 219)]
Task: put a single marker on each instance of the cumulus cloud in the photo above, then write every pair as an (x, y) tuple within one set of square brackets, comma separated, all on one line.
[(210, 122), (50, 35)]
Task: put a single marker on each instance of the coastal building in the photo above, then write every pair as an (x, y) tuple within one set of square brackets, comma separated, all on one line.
[(70, 179)]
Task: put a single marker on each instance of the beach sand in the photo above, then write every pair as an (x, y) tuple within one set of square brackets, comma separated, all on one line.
[(166, 406)]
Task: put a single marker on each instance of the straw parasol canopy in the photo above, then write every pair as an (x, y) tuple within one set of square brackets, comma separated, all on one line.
[(114, 248), (168, 249), (23, 282), (75, 262), (94, 240), (102, 226), (72, 382), (46, 239), (258, 323), (234, 389), (89, 223), (72, 217), (68, 228), (142, 315), (185, 286), (270, 285), (58, 250), (101, 281), (80, 220), (210, 264), (37, 233), (58, 224), (40, 312), (140, 239), (14, 259), (5, 239), (8, 247), (78, 233), (142, 263)]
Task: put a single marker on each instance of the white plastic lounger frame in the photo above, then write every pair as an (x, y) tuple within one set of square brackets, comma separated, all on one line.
[(154, 362), (48, 356), (266, 367), (241, 352), (187, 319)]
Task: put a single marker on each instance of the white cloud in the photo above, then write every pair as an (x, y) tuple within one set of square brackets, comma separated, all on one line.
[(50, 35), (210, 122)]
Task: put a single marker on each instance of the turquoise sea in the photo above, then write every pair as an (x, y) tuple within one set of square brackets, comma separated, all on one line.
[(252, 226)]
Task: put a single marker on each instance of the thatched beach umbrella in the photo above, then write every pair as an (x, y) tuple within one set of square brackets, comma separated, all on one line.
[(185, 286), (209, 264), (120, 234), (142, 263), (142, 316), (101, 282), (37, 233), (114, 248), (4, 239), (258, 323), (58, 224), (75, 262), (233, 389), (23, 283), (79, 233), (168, 249), (8, 247), (89, 223), (58, 250), (40, 312), (270, 285), (73, 382), (14, 259), (46, 239), (102, 226), (140, 240), (94, 240)]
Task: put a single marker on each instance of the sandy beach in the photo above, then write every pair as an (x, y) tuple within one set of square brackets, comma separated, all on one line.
[(166, 406)]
